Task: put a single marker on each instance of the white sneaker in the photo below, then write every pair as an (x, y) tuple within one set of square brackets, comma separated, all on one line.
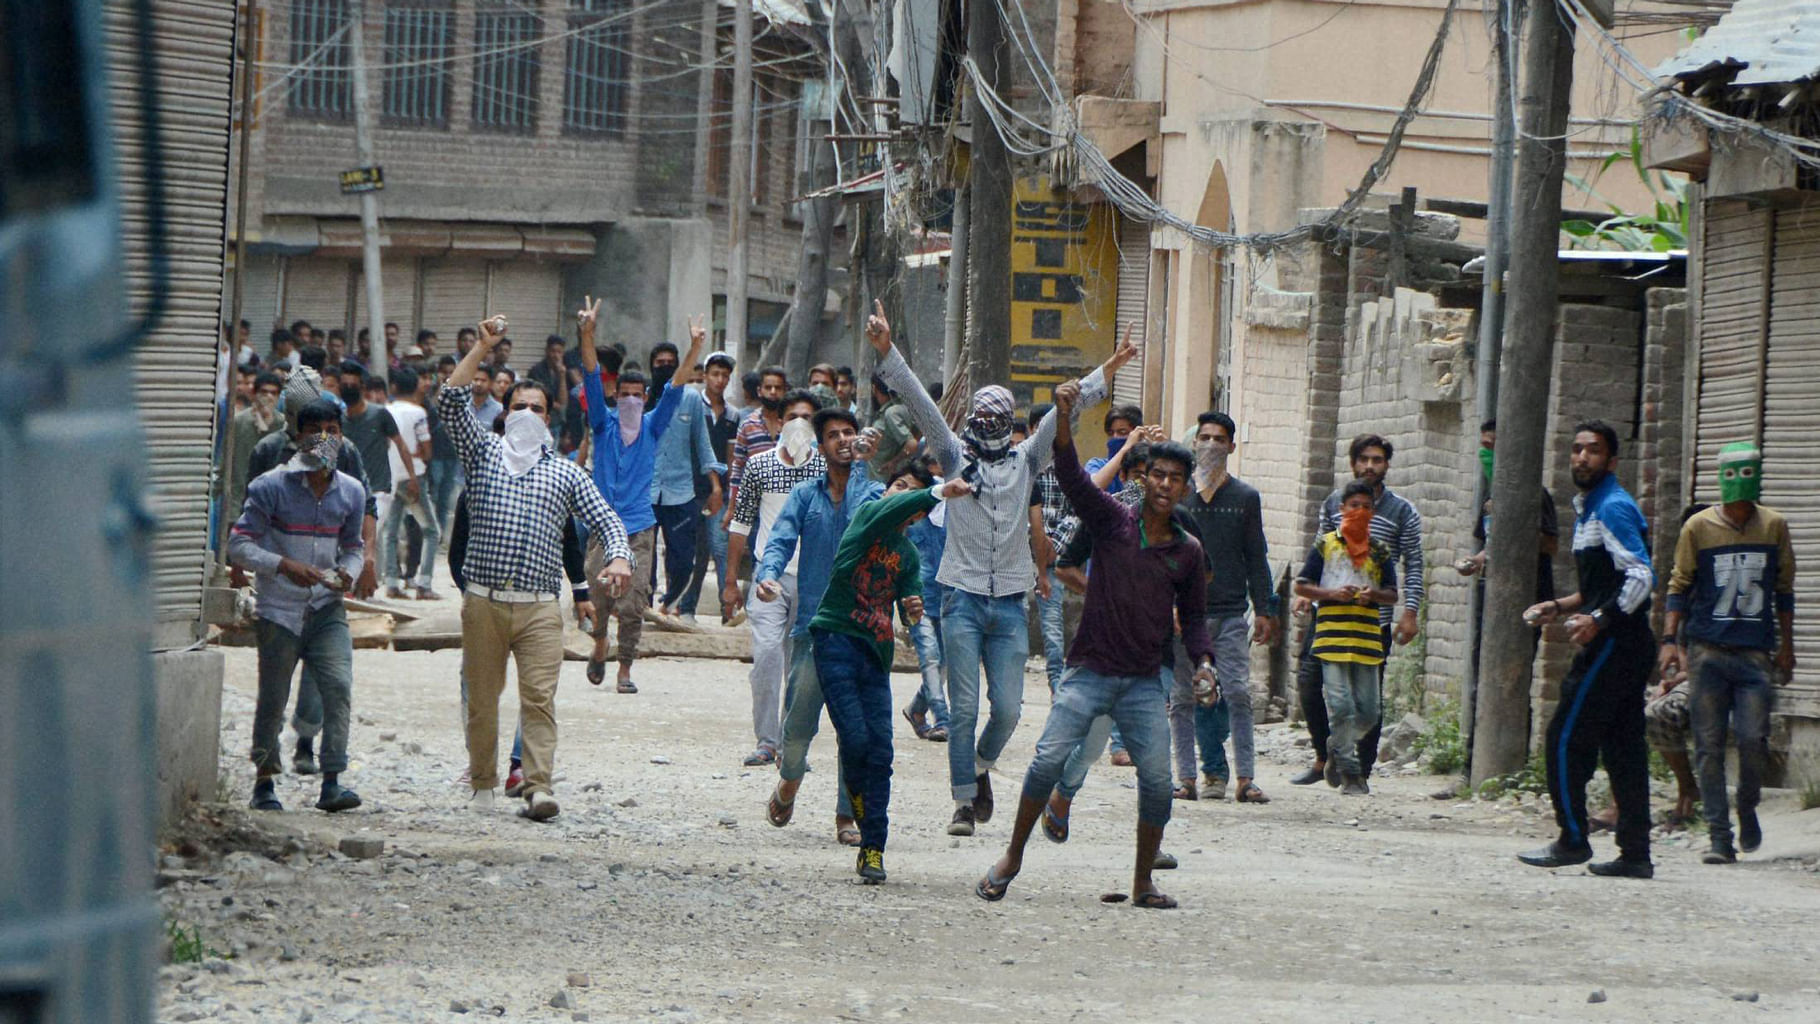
[(481, 802), (690, 619), (541, 807)]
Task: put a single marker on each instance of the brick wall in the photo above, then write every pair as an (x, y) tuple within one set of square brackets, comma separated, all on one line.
[(1660, 475)]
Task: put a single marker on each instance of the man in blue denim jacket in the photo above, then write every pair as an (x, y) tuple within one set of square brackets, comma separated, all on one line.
[(815, 516)]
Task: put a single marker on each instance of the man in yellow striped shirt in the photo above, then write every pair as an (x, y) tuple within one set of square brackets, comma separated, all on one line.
[(1349, 575)]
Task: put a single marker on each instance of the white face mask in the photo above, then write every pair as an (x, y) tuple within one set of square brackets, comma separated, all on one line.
[(797, 439), (525, 440)]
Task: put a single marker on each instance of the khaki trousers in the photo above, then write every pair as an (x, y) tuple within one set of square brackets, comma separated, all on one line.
[(530, 632), (630, 606)]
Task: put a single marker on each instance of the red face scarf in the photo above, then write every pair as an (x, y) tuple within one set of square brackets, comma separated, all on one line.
[(1355, 530)]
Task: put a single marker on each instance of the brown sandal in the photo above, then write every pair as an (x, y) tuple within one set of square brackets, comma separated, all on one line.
[(777, 812), (1251, 794), (847, 836)]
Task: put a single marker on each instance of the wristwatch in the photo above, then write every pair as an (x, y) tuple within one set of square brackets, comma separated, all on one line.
[(1597, 615)]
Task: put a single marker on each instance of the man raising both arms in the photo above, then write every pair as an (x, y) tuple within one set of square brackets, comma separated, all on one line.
[(985, 559), (1147, 573)]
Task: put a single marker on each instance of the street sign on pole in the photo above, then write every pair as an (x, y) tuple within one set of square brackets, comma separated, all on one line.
[(362, 179)]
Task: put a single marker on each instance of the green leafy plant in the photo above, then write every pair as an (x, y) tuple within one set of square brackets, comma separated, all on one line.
[(187, 947), (1805, 770), (1663, 230), (1441, 746)]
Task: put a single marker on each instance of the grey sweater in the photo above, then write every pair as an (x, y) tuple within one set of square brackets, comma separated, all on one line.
[(987, 551)]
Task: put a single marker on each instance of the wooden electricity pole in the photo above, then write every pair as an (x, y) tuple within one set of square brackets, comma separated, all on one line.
[(989, 220), (739, 186), (1501, 723)]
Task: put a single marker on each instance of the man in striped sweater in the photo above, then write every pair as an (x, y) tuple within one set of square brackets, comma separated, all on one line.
[(1397, 525)]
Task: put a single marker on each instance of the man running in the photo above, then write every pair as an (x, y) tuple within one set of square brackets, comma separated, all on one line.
[(876, 568), (1729, 561), (1147, 573), (986, 559), (1600, 714), (813, 520)]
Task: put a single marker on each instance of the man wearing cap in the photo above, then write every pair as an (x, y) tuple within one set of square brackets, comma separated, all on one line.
[(1733, 589), (986, 559)]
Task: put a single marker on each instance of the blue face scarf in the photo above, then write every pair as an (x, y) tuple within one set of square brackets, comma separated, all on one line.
[(1114, 444)]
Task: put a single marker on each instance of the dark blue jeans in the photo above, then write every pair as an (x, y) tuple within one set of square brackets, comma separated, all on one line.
[(857, 690), (1731, 689), (679, 524)]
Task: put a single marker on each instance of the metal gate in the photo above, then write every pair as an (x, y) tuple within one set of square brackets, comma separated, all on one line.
[(454, 296), (174, 368), (1733, 326), (316, 289), (1791, 431), (1133, 300), (529, 295)]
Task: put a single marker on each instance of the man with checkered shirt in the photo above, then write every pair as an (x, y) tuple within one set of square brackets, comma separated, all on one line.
[(519, 495)]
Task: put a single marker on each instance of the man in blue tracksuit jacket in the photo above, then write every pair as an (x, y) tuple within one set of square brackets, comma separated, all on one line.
[(1600, 713)]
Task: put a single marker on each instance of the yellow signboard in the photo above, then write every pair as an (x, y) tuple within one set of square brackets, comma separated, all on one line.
[(1064, 293)]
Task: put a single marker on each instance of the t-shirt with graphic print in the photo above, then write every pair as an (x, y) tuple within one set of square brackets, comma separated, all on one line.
[(875, 566)]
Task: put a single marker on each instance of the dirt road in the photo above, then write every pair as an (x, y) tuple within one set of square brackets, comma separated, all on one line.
[(662, 883)]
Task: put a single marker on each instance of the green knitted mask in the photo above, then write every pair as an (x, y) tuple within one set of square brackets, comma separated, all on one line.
[(1740, 472)]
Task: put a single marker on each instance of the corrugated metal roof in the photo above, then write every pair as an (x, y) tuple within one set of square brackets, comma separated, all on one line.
[(1773, 41)]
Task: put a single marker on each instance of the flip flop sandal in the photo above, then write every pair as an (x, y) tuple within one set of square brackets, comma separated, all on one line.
[(269, 803), (992, 888), (847, 836), (777, 812), (1055, 827), (937, 734), (1165, 862), (922, 731), (760, 758), (1154, 900), (626, 687), (1252, 795), (597, 671)]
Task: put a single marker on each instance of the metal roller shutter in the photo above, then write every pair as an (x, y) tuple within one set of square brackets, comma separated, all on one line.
[(1733, 322), (259, 296), (454, 296), (175, 366), (398, 280), (316, 289), (1791, 430), (1133, 300), (528, 295)]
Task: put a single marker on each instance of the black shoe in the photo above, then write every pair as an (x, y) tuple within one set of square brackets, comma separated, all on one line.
[(1332, 774), (962, 825), (1556, 855), (1353, 785), (265, 797), (1720, 852), (982, 799), (1750, 833), (303, 762), (1622, 868), (337, 798), (1309, 777), (871, 866)]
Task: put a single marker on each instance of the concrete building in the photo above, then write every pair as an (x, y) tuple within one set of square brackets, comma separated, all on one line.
[(533, 153)]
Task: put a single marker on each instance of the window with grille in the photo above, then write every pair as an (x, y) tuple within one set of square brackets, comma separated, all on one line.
[(505, 70), (320, 87), (596, 69), (419, 40)]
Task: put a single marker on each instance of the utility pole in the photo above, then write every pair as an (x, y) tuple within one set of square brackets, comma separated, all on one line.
[(369, 200), (1491, 322), (954, 315), (1502, 717), (739, 184), (989, 221)]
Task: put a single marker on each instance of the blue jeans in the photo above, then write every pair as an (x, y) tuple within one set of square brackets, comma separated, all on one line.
[(1208, 727), (928, 639), (388, 540), (1729, 687), (1050, 618), (976, 628), (326, 646), (858, 691), (678, 524), (1351, 692), (1086, 705), (803, 703), (446, 482), (710, 546)]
